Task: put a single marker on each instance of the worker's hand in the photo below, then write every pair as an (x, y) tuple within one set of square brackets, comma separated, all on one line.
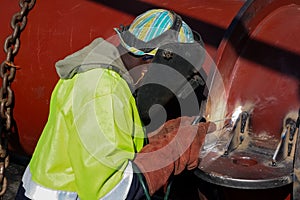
[(168, 127), (177, 150)]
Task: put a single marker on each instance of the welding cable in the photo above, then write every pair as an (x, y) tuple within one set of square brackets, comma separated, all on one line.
[(166, 197), (145, 188), (141, 180)]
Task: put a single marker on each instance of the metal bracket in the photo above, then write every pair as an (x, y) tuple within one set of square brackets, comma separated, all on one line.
[(239, 133), (286, 146)]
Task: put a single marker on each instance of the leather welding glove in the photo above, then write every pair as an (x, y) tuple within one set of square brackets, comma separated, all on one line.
[(168, 127), (177, 150)]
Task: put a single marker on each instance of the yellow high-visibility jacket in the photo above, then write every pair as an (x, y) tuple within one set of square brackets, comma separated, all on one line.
[(93, 129)]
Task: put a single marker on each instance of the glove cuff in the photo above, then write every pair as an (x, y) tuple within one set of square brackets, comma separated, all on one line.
[(153, 168)]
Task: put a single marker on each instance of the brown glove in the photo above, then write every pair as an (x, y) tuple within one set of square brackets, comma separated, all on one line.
[(168, 127), (171, 154)]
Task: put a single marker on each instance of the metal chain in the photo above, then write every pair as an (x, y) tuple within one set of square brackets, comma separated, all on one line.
[(7, 73)]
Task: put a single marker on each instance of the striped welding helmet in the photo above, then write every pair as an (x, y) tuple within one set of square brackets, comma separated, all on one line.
[(153, 29)]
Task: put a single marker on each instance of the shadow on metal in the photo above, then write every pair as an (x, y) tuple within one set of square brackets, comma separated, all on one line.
[(238, 35), (205, 29)]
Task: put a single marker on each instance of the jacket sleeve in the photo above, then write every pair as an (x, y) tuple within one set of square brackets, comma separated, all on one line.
[(107, 132)]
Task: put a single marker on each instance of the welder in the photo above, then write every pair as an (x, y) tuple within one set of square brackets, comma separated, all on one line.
[(94, 144)]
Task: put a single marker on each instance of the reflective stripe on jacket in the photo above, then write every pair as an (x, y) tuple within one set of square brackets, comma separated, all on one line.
[(35, 191)]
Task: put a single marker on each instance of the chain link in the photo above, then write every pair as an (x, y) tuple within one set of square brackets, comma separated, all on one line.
[(7, 73)]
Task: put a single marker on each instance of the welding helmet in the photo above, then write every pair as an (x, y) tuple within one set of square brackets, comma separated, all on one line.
[(175, 72)]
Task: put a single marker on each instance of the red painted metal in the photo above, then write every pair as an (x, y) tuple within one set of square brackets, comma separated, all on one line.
[(258, 59), (57, 28), (258, 62), (263, 68)]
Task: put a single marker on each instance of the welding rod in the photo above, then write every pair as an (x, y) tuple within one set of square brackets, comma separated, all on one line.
[(199, 119), (283, 135), (298, 120)]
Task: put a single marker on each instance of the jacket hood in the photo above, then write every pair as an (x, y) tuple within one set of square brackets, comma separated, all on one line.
[(98, 54)]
